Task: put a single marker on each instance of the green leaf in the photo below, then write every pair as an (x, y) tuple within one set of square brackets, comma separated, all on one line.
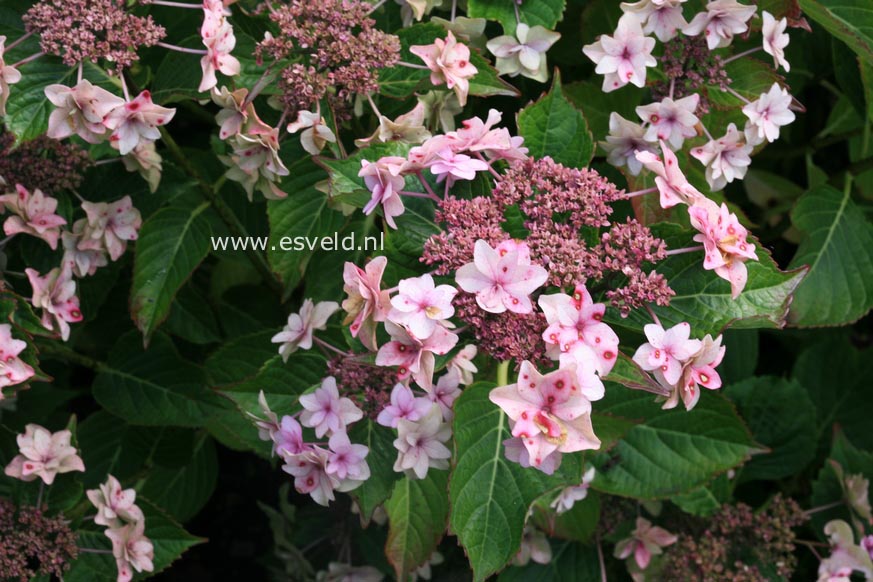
[(628, 373), (844, 458), (571, 562), (169, 539), (154, 387), (849, 20), (839, 251), (240, 359), (836, 376), (597, 105), (489, 494), (764, 402), (192, 318), (578, 524), (706, 499), (554, 127), (183, 491), (417, 512), (546, 13), (672, 451), (172, 243), (704, 300), (375, 490)]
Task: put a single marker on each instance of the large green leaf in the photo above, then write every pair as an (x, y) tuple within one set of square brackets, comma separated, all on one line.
[(839, 251), (597, 106), (417, 512), (849, 20), (672, 451), (489, 494), (375, 490), (545, 13), (172, 243), (555, 127), (183, 491), (571, 562), (763, 402), (154, 387)]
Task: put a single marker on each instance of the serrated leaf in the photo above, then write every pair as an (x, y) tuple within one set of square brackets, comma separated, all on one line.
[(546, 13), (183, 491), (763, 403), (849, 20), (172, 243), (417, 513), (597, 106), (555, 127), (489, 494), (154, 387), (838, 248), (672, 451), (706, 499)]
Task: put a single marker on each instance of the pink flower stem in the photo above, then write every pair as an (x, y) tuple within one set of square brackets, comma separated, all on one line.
[(517, 15), (39, 497), (124, 88), (330, 347), (494, 172), (392, 289), (672, 87), (6, 240), (653, 316), (601, 561), (377, 6), (419, 195), (630, 195), (446, 190), (811, 548), (258, 87), (24, 61), (825, 507), (684, 250), (706, 131), (177, 4), (181, 49), (426, 185), (737, 95), (454, 9), (751, 51), (18, 41), (94, 550), (373, 105), (109, 161), (412, 65), (80, 73)]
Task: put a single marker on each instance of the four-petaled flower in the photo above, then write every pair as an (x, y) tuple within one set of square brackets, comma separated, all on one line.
[(726, 159), (33, 214), (136, 122), (623, 57), (298, 332), (624, 140), (114, 504), (524, 53), (385, 183), (698, 371), (420, 444), (666, 351), (404, 405), (662, 17), (13, 370), (671, 121), (109, 226), (720, 22), (55, 294), (9, 75), (412, 355), (421, 305), (366, 303), (449, 63), (776, 39), (316, 134), (44, 455), (767, 114), (672, 184), (346, 462), (646, 541), (80, 110), (503, 278), (132, 549), (325, 411)]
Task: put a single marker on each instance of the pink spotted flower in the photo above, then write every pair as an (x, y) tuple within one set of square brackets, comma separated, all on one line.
[(646, 541), (136, 122), (298, 332), (9, 75), (346, 462), (699, 370), (671, 121), (309, 469), (421, 305), (623, 57), (414, 356), (502, 279), (384, 181), (666, 351), (404, 404), (33, 214), (80, 110), (325, 411), (449, 63), (219, 40), (114, 504), (672, 184), (450, 166), (720, 21), (44, 455), (110, 226), (549, 412), (315, 135), (366, 303), (13, 370), (132, 549), (55, 294)]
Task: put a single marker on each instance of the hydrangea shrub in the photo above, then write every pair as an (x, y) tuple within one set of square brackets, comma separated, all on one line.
[(357, 289)]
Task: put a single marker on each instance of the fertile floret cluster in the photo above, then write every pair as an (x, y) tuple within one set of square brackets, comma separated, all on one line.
[(42, 163), (32, 544)]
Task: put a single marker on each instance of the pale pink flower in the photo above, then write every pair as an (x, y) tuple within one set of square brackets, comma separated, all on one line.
[(515, 451), (577, 319), (219, 40), (525, 53), (316, 134), (645, 541), (857, 491), (109, 226), (666, 351), (55, 294), (136, 122), (309, 470), (771, 111), (147, 161), (671, 121), (9, 75), (385, 183), (776, 39), (406, 128), (724, 241), (624, 140), (339, 572), (720, 22), (33, 214), (298, 332), (80, 110), (846, 557), (421, 305), (726, 159), (288, 439), (114, 504), (501, 279), (420, 444), (43, 455), (237, 115), (450, 166), (132, 549), (495, 143), (445, 392), (549, 411), (346, 462), (623, 57), (534, 546), (269, 425), (404, 405), (568, 496), (255, 162), (13, 370), (698, 371), (325, 411), (414, 356), (463, 364), (867, 544), (449, 63), (662, 17), (366, 303), (672, 184)]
